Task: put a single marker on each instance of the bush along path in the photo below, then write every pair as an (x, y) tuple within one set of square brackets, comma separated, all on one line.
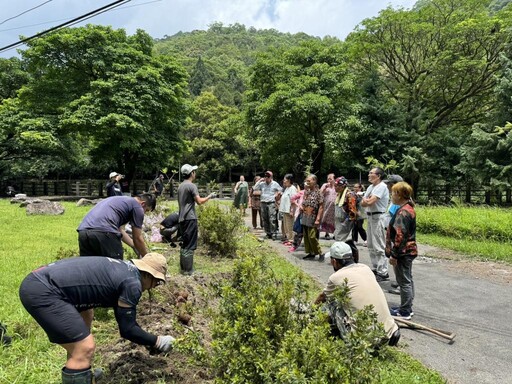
[(470, 298)]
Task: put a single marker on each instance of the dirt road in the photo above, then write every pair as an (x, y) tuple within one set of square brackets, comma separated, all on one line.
[(472, 299)]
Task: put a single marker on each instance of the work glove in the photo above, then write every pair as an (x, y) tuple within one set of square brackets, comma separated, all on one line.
[(164, 343), (213, 195)]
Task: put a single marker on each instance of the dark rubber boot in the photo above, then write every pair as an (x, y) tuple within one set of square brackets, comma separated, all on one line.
[(85, 377), (186, 261)]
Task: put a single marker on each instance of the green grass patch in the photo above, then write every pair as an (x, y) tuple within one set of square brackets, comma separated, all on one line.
[(481, 232)]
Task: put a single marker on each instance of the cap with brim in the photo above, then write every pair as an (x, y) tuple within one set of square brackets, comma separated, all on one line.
[(113, 174), (340, 251), (393, 179), (153, 263), (187, 169), (269, 174)]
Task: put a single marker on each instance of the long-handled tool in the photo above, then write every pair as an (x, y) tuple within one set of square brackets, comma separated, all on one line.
[(444, 334)]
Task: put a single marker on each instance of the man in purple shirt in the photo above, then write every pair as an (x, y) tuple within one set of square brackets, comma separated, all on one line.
[(101, 232)]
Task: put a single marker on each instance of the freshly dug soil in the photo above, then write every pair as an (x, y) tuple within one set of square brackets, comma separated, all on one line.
[(179, 307)]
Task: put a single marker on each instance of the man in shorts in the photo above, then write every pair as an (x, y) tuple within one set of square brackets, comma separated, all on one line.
[(60, 297), (101, 232)]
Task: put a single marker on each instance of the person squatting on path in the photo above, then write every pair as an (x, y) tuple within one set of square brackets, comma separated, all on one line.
[(286, 210), (255, 204), (401, 247), (375, 201), (327, 223), (188, 196), (113, 187), (60, 297), (345, 214), (268, 188), (101, 232), (363, 290), (312, 211)]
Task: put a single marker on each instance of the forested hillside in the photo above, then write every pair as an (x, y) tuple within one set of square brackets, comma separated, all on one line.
[(424, 92)]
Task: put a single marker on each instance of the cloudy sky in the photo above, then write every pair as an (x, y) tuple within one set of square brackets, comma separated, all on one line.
[(167, 17)]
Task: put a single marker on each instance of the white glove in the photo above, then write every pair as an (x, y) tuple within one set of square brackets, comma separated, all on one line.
[(164, 343), (213, 195)]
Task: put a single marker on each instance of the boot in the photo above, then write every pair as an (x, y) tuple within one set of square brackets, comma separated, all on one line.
[(186, 261), (85, 377)]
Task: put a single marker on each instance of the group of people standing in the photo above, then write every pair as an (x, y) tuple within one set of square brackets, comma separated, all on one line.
[(340, 211)]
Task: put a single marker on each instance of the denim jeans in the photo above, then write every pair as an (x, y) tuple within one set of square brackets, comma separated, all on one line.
[(403, 273)]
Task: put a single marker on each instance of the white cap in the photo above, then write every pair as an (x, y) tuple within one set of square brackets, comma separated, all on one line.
[(113, 174), (186, 169), (340, 250)]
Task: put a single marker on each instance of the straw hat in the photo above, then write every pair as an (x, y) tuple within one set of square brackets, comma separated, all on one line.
[(154, 264)]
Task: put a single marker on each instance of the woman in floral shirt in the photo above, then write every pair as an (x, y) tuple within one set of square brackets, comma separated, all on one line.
[(401, 246), (312, 210)]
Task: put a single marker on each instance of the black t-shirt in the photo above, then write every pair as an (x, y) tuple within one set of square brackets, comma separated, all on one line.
[(171, 220), (94, 281)]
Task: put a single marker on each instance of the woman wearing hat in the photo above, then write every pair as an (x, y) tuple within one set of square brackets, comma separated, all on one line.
[(60, 297)]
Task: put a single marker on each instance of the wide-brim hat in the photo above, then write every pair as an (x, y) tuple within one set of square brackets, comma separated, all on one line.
[(153, 263)]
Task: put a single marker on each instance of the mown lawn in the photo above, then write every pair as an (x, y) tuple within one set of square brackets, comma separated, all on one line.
[(481, 232), (32, 241)]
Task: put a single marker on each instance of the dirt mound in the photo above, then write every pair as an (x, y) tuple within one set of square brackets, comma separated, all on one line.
[(180, 307)]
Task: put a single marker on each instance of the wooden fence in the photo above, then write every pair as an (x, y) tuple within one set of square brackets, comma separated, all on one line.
[(441, 193), (96, 188)]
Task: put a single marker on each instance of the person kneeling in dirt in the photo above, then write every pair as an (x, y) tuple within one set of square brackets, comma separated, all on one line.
[(169, 229), (60, 297), (364, 291)]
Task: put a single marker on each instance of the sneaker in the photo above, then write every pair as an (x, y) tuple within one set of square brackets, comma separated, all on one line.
[(402, 314), (308, 256), (395, 285), (327, 237), (365, 244), (292, 249), (398, 309), (380, 277), (288, 243), (321, 257)]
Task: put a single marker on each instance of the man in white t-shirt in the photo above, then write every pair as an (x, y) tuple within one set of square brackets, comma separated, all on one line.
[(363, 289), (375, 202)]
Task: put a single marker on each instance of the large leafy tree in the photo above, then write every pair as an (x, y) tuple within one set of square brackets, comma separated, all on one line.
[(102, 99), (436, 65), (217, 139), (299, 104)]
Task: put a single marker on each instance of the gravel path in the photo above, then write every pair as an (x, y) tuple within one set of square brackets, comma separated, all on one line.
[(472, 299)]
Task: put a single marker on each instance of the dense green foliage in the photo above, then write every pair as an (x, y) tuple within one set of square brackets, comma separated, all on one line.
[(220, 230)]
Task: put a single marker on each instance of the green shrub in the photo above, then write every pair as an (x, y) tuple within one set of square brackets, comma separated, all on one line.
[(220, 230), (259, 339)]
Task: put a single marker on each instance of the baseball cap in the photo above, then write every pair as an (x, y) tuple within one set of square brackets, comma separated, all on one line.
[(340, 251), (186, 169), (341, 181), (393, 179), (154, 264), (112, 174), (268, 173)]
